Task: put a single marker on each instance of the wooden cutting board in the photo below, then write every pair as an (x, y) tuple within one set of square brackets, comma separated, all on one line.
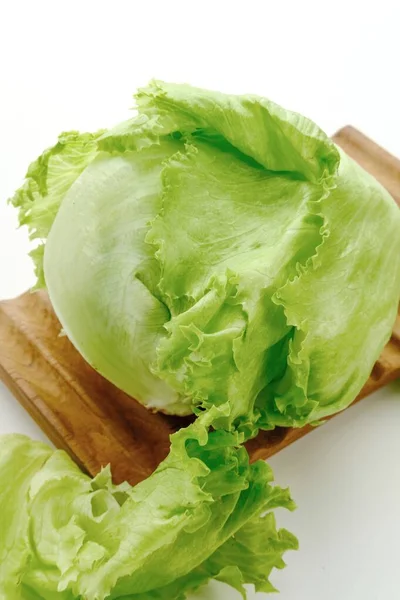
[(98, 424)]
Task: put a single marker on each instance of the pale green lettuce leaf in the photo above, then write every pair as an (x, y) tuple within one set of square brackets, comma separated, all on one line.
[(248, 557), (83, 538), (20, 460), (277, 139), (135, 134), (104, 289), (47, 180), (245, 230), (343, 305)]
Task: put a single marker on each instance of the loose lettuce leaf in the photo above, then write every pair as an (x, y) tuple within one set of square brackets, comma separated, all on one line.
[(277, 139), (204, 513), (220, 346), (103, 223), (248, 557), (20, 460), (344, 304), (47, 180), (222, 249)]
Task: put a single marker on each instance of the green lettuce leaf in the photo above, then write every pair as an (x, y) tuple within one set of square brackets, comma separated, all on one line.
[(205, 513), (103, 220), (344, 304), (218, 346), (20, 460), (248, 557), (260, 130), (47, 180)]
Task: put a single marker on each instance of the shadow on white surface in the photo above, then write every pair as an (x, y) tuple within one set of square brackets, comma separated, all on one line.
[(220, 591)]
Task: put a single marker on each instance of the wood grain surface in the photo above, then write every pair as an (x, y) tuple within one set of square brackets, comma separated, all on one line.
[(98, 424)]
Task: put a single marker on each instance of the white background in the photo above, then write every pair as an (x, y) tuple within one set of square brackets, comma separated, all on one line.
[(70, 64)]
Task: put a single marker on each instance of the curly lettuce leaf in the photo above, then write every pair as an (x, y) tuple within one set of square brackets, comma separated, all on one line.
[(47, 180), (227, 341), (344, 304), (275, 138), (205, 508), (20, 460), (246, 558)]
